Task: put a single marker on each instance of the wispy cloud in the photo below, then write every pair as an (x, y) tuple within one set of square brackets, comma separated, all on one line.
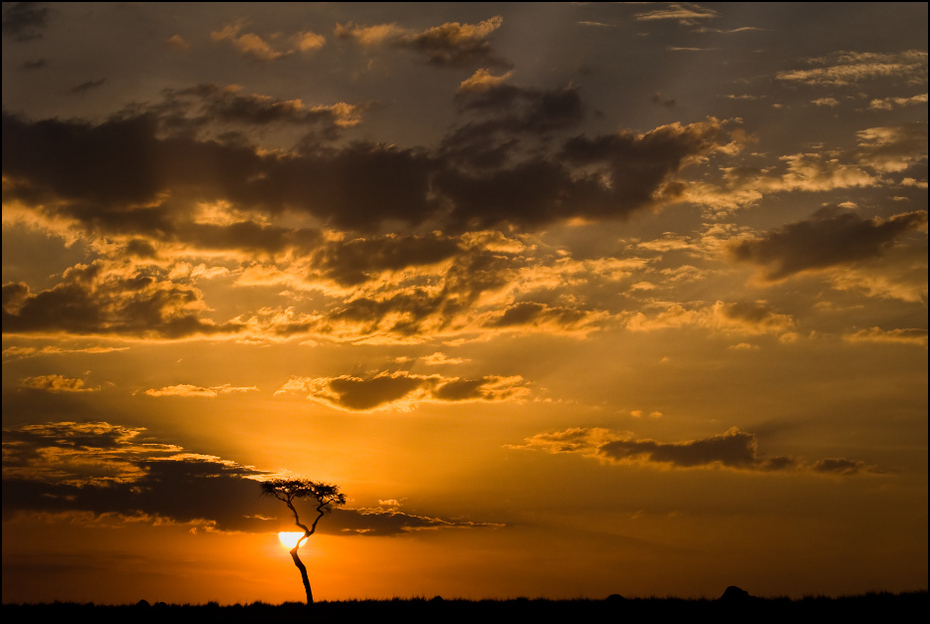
[(853, 68), (686, 13), (188, 390), (908, 336)]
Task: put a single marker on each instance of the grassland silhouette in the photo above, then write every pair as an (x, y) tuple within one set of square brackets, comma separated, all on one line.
[(733, 605)]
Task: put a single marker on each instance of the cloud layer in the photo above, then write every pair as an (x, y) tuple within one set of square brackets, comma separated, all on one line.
[(112, 471), (731, 450)]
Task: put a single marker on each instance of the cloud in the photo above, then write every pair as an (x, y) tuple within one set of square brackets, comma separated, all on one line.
[(754, 317), (731, 450), (832, 237), (387, 519), (533, 314), (892, 149), (516, 109), (450, 45), (36, 64), (911, 336), (24, 20), (405, 243), (90, 300), (403, 390), (854, 68), (270, 48), (177, 42), (482, 81), (741, 317), (879, 151), (126, 175), (686, 14), (890, 103), (188, 390), (840, 466), (363, 259), (439, 358), (55, 383), (456, 45), (605, 177), (658, 100), (205, 104), (18, 352), (119, 474), (370, 35), (87, 86)]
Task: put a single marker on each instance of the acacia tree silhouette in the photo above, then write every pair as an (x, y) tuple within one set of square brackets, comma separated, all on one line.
[(290, 490)]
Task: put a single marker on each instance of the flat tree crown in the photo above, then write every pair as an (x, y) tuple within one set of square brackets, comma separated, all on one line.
[(290, 489)]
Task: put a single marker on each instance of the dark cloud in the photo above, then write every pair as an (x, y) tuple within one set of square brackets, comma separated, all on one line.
[(110, 470), (246, 236), (359, 260), (622, 172), (832, 237), (734, 450), (638, 167), (504, 113), (87, 86), (112, 163), (208, 106), (840, 466), (403, 389), (90, 301), (36, 64), (658, 100), (456, 45), (752, 316), (116, 176), (533, 313), (110, 175), (140, 248), (387, 522), (24, 20), (143, 181), (522, 109), (415, 308), (364, 394)]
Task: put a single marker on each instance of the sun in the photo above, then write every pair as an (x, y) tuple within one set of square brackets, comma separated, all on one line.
[(290, 538)]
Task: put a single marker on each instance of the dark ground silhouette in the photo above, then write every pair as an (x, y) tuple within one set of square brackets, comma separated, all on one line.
[(732, 606)]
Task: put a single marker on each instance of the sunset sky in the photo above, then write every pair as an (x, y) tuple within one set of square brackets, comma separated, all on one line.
[(569, 299)]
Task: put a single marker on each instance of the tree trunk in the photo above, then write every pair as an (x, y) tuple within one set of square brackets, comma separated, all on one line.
[(303, 575)]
